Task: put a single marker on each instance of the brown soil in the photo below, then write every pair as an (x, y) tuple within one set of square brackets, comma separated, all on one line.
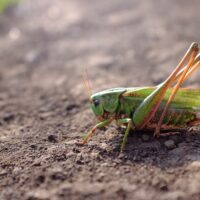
[(44, 111)]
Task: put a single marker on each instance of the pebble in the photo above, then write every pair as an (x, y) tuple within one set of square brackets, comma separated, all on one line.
[(104, 146), (170, 144), (145, 138), (100, 177), (183, 145), (8, 117), (16, 170), (71, 107), (38, 194), (21, 129), (52, 138), (3, 172), (64, 98), (94, 155), (121, 155), (3, 139), (40, 179), (104, 164), (33, 146), (79, 159), (195, 165)]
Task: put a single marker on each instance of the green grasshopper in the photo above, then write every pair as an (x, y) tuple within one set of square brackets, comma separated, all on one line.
[(165, 106)]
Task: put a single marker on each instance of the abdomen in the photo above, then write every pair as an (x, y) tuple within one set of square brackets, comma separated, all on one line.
[(184, 111), (177, 118)]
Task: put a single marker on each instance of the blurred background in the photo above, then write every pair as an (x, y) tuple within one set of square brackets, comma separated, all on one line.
[(48, 43), (44, 47)]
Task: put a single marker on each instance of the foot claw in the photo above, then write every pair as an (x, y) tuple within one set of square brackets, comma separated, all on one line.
[(84, 141)]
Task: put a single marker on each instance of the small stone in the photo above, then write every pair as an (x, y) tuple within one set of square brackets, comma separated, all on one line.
[(145, 138), (170, 144), (3, 172), (71, 142), (40, 179), (104, 146), (94, 155), (33, 146), (104, 164), (183, 145), (21, 129), (52, 138), (8, 117), (117, 172), (39, 161), (177, 139), (38, 194), (195, 165), (100, 177), (118, 161), (121, 155), (64, 98), (164, 187), (3, 139), (70, 154), (71, 107), (16, 170), (79, 159)]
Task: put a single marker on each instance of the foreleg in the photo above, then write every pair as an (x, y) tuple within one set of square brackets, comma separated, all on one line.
[(99, 125)]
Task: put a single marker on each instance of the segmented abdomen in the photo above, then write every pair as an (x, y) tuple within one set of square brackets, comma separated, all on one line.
[(177, 117)]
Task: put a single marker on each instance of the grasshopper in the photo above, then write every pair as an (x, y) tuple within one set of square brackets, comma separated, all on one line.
[(165, 106)]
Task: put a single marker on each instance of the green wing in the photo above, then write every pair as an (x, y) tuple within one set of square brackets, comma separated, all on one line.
[(185, 98)]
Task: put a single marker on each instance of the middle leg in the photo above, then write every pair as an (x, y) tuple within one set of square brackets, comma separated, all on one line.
[(127, 121)]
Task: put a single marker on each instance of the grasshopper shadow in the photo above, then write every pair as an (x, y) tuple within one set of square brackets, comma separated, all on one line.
[(165, 152)]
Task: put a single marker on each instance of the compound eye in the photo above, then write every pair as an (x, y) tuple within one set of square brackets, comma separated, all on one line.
[(96, 102)]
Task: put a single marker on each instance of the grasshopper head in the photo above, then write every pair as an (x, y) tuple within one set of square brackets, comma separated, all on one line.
[(106, 103)]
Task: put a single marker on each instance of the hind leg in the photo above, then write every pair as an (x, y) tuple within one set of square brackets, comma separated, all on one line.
[(150, 105), (193, 64)]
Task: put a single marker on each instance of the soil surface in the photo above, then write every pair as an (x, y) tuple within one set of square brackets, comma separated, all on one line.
[(44, 109)]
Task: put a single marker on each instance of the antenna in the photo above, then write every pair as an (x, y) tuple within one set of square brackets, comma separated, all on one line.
[(87, 83)]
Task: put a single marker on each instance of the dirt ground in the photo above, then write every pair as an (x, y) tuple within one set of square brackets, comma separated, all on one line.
[(44, 110)]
